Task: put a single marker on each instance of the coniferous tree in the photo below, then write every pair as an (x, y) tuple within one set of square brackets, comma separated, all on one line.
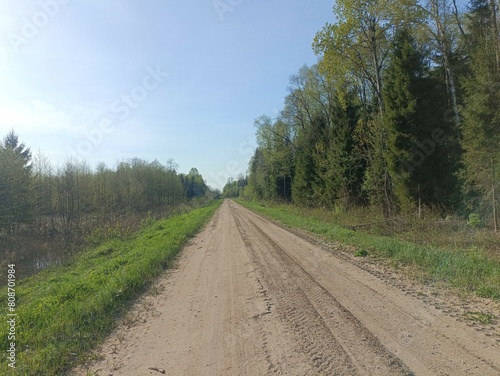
[(15, 183), (481, 136), (306, 186), (417, 154)]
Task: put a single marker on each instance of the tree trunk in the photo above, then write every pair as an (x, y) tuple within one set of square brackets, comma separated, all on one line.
[(494, 203), (377, 67), (495, 221), (441, 39), (494, 21), (450, 76), (419, 204)]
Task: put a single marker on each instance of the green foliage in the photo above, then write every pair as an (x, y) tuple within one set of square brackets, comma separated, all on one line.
[(74, 199), (15, 184), (419, 155), (377, 120), (307, 154), (401, 109), (194, 184), (273, 163), (377, 181), (481, 317), (355, 52), (361, 253), (235, 188), (101, 233), (474, 220), (481, 136), (256, 182), (66, 311), (303, 182), (356, 47)]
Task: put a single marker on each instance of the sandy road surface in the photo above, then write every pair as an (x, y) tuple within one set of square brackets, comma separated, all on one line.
[(250, 298)]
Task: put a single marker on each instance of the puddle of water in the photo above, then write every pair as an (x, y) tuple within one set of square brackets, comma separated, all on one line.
[(25, 268), (41, 264)]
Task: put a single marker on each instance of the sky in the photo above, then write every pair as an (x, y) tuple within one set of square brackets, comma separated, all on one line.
[(110, 80)]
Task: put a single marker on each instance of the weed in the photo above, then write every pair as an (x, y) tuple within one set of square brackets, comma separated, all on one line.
[(474, 220), (361, 253), (480, 317)]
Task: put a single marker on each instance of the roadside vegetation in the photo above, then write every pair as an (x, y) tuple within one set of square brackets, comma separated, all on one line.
[(471, 269), (65, 311)]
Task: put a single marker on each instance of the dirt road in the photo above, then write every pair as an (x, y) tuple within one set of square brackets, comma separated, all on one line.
[(251, 298)]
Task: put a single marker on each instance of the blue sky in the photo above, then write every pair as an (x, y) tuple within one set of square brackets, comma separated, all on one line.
[(109, 80)]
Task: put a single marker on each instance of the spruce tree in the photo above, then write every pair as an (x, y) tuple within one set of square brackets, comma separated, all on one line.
[(481, 136), (418, 156), (400, 116), (15, 183)]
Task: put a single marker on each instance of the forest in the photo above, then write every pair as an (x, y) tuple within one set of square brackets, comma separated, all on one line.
[(401, 113), (47, 209)]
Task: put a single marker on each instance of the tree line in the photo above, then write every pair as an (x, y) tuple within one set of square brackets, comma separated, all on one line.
[(74, 198), (401, 112)]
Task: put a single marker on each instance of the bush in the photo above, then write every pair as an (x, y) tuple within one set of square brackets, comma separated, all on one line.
[(474, 220)]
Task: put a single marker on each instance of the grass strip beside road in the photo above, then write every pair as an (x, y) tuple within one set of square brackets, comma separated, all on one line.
[(468, 269), (64, 312)]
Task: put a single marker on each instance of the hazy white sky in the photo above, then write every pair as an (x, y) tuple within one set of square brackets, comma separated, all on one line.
[(108, 80)]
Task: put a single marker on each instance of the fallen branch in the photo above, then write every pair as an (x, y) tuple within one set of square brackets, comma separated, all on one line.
[(157, 370)]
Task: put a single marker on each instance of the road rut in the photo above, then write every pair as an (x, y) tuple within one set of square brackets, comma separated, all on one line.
[(250, 298)]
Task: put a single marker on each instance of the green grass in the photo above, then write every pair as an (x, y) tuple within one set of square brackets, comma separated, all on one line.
[(469, 269), (64, 312)]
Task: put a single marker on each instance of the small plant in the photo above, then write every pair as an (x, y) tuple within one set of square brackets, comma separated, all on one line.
[(361, 253), (483, 318), (474, 220), (148, 221)]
